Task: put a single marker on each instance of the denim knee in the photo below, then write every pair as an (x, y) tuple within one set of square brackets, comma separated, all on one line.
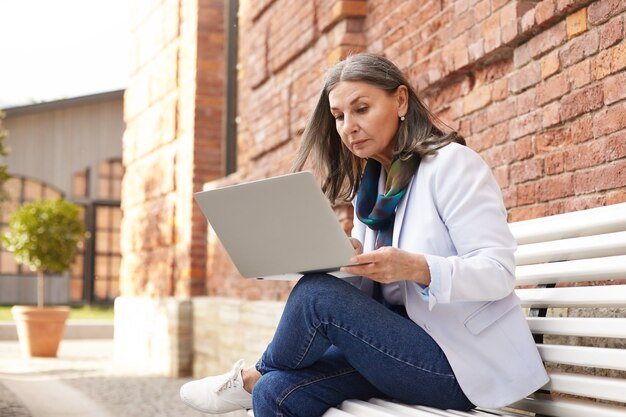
[(320, 287), (265, 395)]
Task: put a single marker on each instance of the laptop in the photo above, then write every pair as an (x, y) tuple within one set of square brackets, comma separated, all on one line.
[(278, 228)]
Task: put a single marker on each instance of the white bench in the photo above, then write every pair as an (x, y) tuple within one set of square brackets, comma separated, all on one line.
[(580, 325)]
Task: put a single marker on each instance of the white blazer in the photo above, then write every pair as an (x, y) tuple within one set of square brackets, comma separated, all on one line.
[(453, 212)]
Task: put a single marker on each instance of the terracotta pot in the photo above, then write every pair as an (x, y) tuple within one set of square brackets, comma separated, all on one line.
[(40, 330)]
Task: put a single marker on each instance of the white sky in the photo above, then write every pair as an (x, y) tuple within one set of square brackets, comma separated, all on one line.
[(53, 49)]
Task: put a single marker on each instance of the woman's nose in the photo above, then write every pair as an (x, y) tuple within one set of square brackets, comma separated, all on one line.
[(349, 125)]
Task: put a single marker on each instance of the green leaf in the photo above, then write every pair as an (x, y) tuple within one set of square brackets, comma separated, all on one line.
[(44, 234)]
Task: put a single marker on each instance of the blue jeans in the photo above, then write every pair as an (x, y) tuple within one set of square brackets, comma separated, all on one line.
[(334, 342)]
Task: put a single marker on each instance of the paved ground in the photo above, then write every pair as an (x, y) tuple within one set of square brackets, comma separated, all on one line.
[(84, 381)]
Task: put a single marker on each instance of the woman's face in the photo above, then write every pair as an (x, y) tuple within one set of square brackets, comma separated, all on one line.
[(367, 118)]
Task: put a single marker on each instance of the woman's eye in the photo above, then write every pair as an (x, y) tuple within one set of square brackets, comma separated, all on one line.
[(339, 117), (361, 110)]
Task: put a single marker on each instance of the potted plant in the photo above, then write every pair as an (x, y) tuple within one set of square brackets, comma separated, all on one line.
[(44, 236)]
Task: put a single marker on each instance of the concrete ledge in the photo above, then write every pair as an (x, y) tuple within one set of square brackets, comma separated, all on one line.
[(74, 329)]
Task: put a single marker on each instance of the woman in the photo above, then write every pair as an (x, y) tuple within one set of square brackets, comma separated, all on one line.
[(430, 316)]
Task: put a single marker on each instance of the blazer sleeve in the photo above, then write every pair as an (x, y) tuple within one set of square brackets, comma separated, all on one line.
[(469, 202)]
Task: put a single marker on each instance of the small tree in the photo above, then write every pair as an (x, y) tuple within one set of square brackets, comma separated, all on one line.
[(4, 176), (44, 235)]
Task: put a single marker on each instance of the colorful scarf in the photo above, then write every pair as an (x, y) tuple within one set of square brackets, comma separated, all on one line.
[(378, 212)]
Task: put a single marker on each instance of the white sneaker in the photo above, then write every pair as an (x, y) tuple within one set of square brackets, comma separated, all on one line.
[(218, 394)]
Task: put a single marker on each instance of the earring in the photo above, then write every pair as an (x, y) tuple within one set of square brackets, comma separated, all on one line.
[(402, 118)]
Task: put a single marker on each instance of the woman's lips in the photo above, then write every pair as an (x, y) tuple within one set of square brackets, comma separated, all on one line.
[(358, 143)]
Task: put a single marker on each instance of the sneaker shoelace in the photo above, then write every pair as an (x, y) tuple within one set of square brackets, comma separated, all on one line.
[(230, 380)]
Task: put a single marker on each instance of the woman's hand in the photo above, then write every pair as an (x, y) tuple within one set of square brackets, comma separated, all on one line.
[(357, 245), (389, 264)]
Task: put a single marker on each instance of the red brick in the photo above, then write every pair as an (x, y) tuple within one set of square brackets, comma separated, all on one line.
[(580, 48), (489, 137), (460, 7), (551, 114), (612, 33), (576, 23), (601, 11), (479, 121), (524, 148), (492, 32), (481, 10), (616, 146), (528, 170), (509, 196), (502, 175), (499, 155), (503, 110), (349, 8), (601, 65), (583, 203), (618, 57), (526, 124), (579, 75), (554, 187), (509, 22), (526, 102), (554, 163), (610, 120), (465, 128), (528, 20), (550, 64), (526, 194), (496, 4), (526, 213), (565, 6), (614, 88), (500, 89), (581, 102), (585, 155), (615, 196), (521, 55), (601, 178), (545, 11), (551, 140), (581, 129), (551, 89), (476, 50), (548, 40), (525, 77)]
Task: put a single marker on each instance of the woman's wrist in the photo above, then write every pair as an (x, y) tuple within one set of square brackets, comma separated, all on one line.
[(422, 270)]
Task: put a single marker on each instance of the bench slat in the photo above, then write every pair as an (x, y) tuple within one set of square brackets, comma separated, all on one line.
[(611, 389), (599, 220), (413, 411), (363, 409), (591, 327), (405, 410), (582, 270), (598, 296), (606, 358), (610, 244), (568, 408), (334, 412)]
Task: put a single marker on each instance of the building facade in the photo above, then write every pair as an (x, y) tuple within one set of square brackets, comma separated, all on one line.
[(69, 148), (538, 88)]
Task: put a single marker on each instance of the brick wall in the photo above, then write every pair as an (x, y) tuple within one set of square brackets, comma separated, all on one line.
[(172, 144), (537, 88)]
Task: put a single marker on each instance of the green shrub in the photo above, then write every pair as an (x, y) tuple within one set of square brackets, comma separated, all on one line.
[(44, 235)]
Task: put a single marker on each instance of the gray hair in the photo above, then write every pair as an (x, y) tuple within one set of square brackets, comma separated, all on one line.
[(341, 169)]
